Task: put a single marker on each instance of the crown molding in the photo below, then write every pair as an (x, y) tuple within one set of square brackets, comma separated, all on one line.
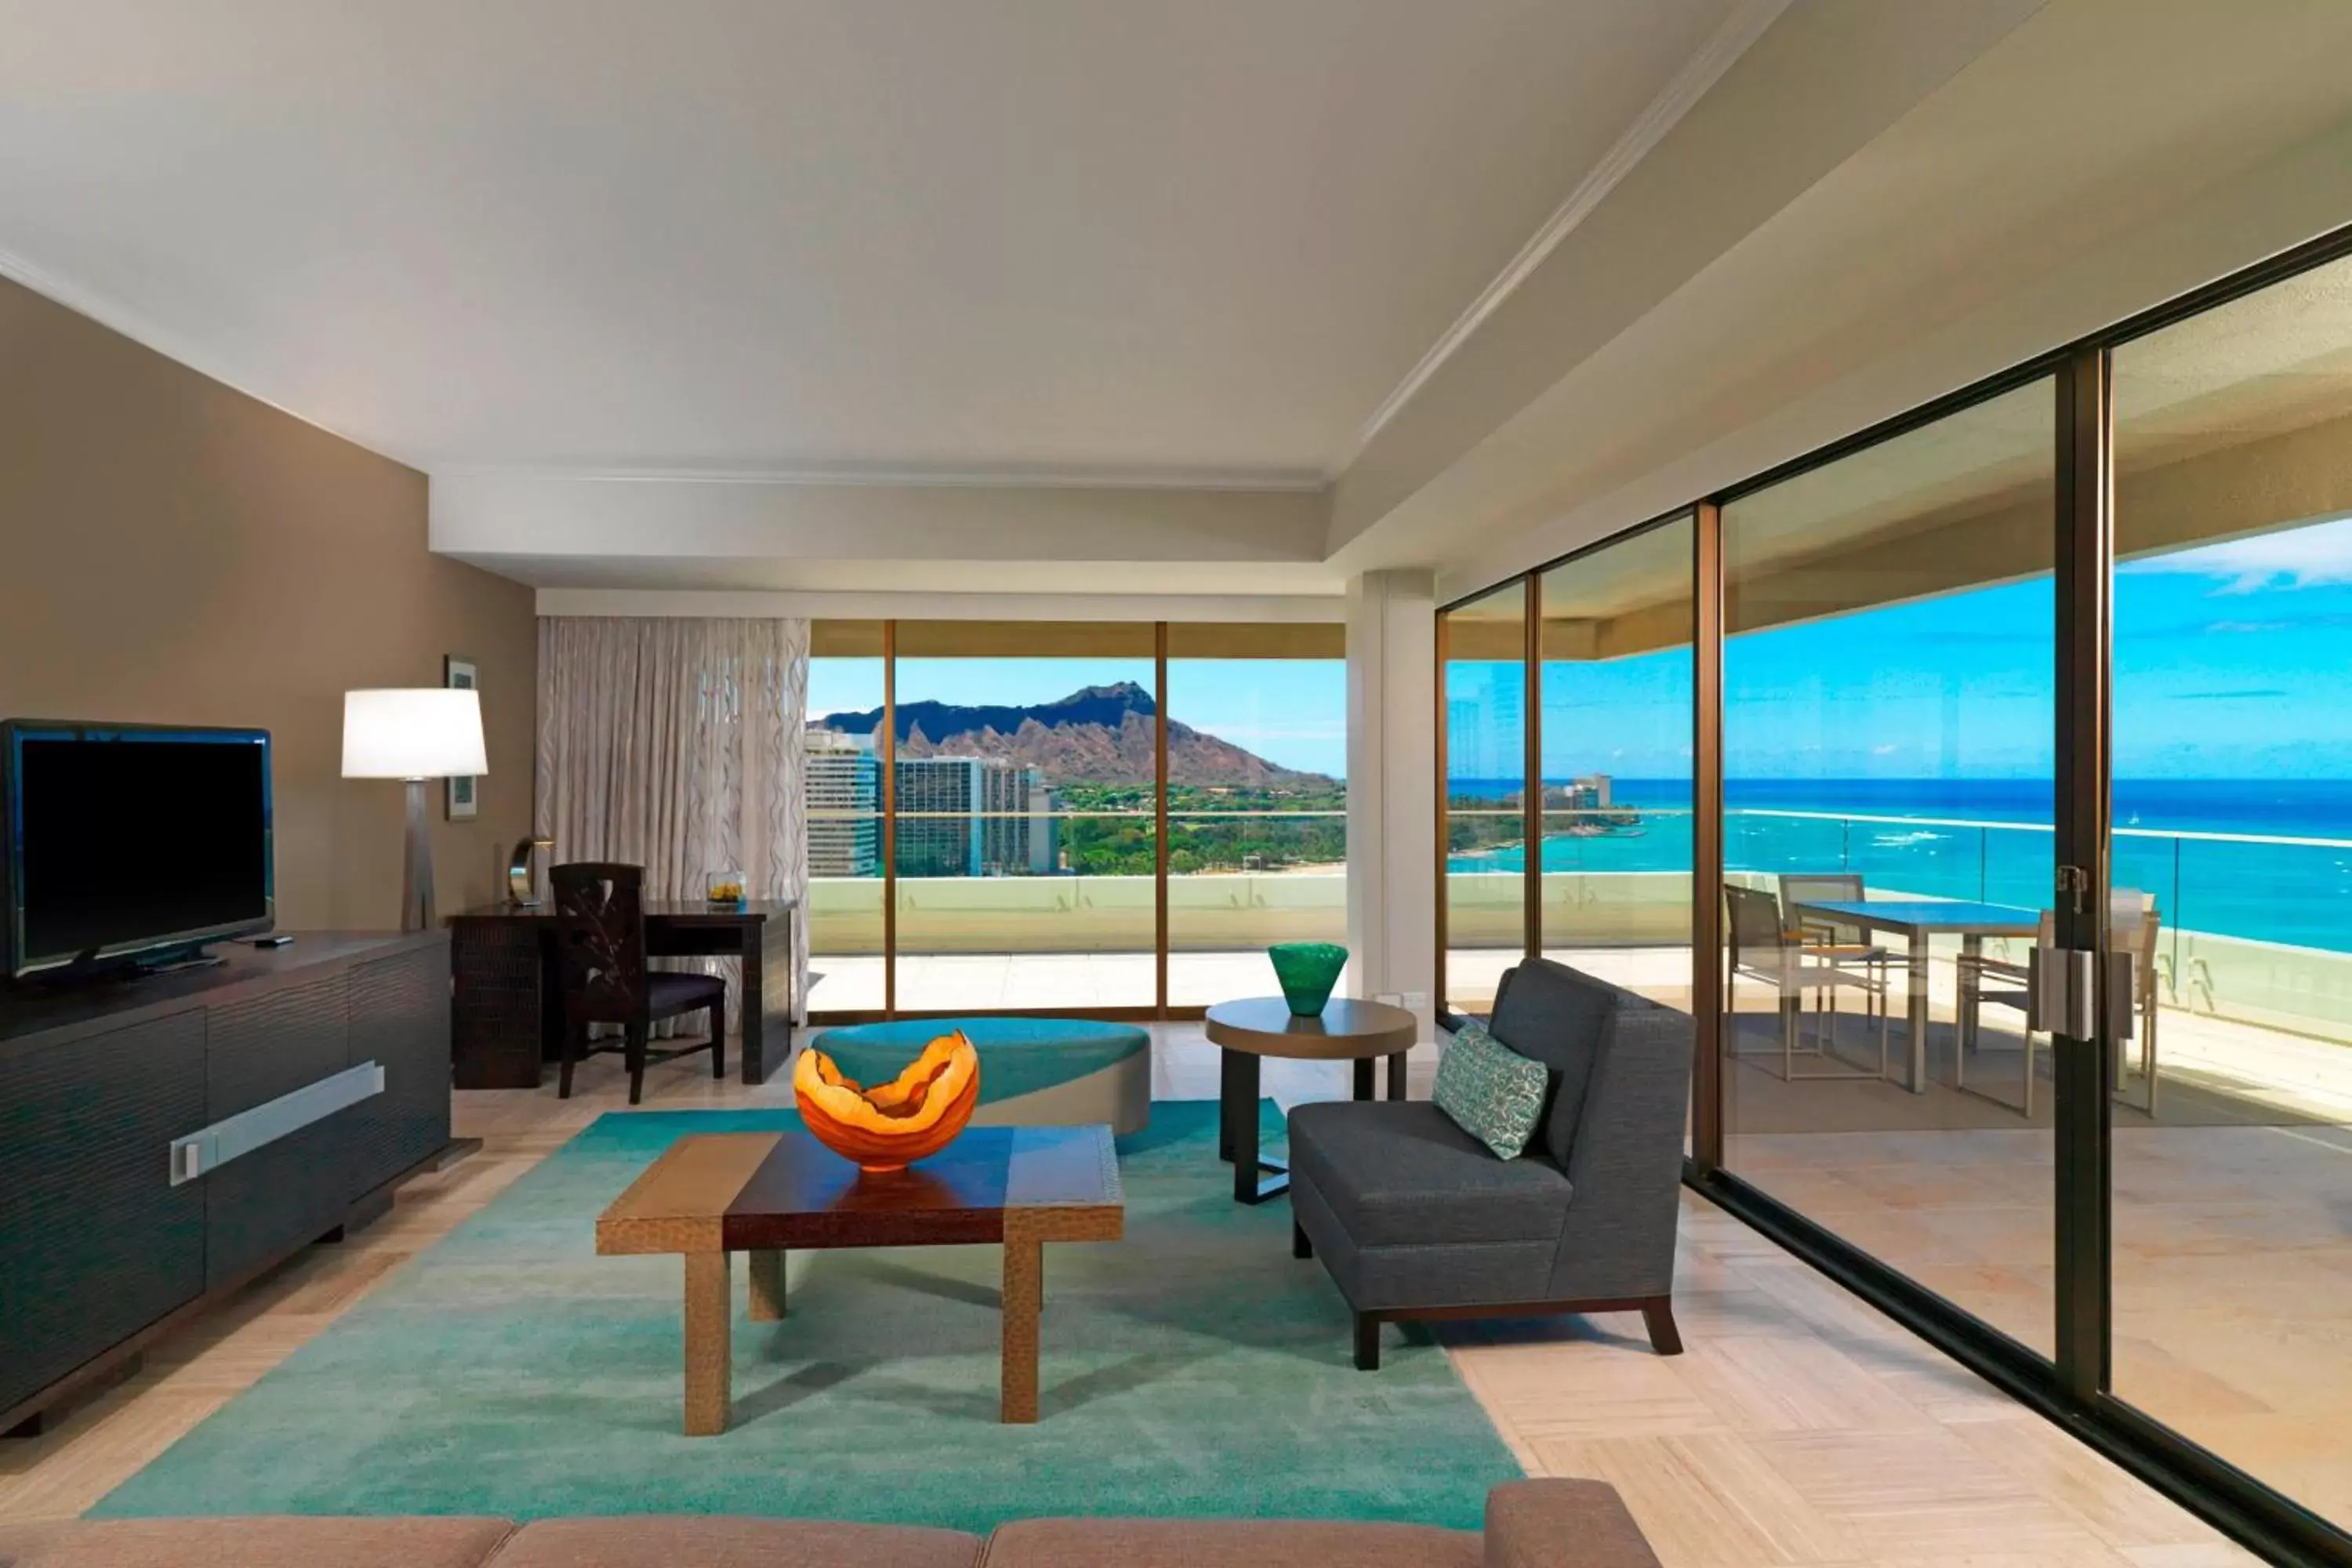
[(1004, 476), (1732, 38), (726, 603)]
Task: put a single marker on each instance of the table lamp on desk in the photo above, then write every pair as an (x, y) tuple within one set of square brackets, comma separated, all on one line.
[(415, 734)]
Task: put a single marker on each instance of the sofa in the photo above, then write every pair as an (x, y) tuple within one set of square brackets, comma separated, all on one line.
[(1414, 1218), (1529, 1524)]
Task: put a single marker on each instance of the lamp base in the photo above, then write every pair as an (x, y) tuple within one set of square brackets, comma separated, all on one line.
[(416, 880)]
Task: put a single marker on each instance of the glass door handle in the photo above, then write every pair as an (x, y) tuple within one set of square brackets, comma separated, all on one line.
[(2060, 986)]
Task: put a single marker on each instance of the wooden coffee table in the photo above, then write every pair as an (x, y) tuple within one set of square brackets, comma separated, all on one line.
[(1266, 1027), (714, 1195)]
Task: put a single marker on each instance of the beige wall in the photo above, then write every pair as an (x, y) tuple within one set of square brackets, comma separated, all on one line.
[(171, 551)]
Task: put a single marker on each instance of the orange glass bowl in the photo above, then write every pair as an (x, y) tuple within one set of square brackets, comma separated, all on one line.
[(888, 1127)]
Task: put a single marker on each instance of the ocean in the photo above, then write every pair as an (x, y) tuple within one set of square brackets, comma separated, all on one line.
[(2299, 894)]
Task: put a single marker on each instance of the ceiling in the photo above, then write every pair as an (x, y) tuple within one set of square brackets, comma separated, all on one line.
[(1120, 240), (1233, 297), (2101, 157)]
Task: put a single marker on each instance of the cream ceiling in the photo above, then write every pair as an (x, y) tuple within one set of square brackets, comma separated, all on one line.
[(1125, 240)]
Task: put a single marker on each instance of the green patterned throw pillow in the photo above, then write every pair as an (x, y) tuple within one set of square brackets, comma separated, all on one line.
[(1495, 1094)]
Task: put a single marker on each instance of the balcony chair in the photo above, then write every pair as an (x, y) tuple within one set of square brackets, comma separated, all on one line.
[(600, 933), (1826, 938), (2134, 926), (1766, 949), (1414, 1218)]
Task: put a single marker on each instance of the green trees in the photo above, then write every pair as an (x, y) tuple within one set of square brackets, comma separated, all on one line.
[(1211, 828)]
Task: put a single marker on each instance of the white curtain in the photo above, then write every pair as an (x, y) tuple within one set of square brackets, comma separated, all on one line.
[(676, 744)]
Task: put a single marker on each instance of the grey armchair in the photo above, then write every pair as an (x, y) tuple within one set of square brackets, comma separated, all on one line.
[(1416, 1219)]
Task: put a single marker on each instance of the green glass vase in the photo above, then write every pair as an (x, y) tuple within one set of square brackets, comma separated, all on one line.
[(1308, 971)]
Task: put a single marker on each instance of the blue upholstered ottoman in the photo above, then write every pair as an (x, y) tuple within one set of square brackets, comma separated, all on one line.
[(1033, 1072)]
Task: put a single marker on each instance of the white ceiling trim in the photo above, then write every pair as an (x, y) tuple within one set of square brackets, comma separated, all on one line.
[(1281, 481), (1722, 47), (821, 604)]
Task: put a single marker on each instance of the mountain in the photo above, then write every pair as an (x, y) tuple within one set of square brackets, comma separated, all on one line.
[(1098, 734)]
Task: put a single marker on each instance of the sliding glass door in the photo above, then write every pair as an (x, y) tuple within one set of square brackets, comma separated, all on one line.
[(2232, 902), (2019, 866), (2011, 758), (1482, 686), (1615, 701), (1888, 731)]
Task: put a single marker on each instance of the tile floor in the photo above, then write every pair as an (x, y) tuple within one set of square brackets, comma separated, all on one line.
[(1800, 1429)]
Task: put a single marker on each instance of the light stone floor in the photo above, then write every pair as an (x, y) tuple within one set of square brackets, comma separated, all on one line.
[(1800, 1429)]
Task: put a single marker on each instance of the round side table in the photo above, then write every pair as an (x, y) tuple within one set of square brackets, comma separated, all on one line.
[(1259, 1027)]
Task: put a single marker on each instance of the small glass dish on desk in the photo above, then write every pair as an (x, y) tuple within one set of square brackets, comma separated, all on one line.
[(724, 890)]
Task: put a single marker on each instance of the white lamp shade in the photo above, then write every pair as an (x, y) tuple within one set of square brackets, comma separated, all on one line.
[(422, 732)]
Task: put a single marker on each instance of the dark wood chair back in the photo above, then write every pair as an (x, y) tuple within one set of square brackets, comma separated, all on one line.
[(600, 933)]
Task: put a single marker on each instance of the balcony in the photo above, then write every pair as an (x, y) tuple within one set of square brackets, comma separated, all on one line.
[(975, 943)]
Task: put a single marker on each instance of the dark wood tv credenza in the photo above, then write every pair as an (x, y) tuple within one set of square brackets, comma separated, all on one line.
[(164, 1141)]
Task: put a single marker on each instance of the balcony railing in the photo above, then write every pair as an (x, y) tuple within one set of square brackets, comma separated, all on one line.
[(2256, 927), (1207, 912)]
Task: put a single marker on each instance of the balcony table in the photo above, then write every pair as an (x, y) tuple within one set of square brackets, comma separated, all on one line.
[(1918, 919)]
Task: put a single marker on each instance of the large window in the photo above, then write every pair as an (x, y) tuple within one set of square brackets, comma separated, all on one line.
[(1025, 770), (1887, 721), (1616, 732), (2232, 810), (1257, 801), (845, 817), (1482, 685), (985, 801), (2017, 846)]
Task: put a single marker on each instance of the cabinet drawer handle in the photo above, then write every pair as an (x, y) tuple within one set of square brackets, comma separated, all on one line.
[(206, 1149)]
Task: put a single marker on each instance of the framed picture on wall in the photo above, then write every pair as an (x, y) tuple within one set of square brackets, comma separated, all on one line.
[(459, 674)]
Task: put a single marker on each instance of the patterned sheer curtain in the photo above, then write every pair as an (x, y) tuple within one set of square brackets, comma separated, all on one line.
[(676, 744)]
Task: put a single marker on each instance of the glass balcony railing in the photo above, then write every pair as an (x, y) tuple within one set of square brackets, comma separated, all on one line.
[(2256, 929)]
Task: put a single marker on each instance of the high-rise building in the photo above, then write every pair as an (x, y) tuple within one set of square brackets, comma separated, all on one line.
[(1588, 794), (843, 793), (974, 817)]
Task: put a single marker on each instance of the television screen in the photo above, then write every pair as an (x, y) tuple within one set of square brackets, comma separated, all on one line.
[(124, 840)]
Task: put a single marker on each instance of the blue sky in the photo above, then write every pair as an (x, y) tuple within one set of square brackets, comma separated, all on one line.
[(2231, 661), (1289, 711)]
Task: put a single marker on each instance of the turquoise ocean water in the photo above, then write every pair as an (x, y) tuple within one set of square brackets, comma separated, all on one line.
[(2297, 893)]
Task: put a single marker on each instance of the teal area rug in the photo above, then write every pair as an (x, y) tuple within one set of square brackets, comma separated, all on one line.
[(1194, 1368)]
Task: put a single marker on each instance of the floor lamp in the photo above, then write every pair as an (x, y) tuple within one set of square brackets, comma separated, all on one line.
[(417, 734)]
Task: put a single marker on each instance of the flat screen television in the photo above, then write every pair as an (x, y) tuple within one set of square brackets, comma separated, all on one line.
[(127, 843)]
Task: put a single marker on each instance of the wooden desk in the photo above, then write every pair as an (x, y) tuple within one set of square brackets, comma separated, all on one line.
[(506, 1017)]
